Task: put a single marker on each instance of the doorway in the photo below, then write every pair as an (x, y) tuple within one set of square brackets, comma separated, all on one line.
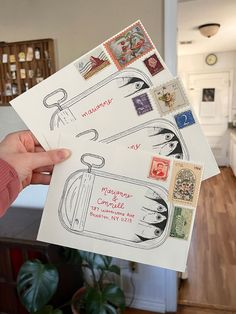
[(209, 95)]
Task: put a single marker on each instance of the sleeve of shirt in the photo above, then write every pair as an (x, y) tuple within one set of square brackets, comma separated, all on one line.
[(9, 186)]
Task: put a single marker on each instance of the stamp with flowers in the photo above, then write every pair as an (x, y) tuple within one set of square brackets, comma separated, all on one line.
[(129, 45), (185, 183), (169, 97)]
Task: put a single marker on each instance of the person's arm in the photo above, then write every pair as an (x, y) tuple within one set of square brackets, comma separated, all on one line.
[(22, 162), (9, 186)]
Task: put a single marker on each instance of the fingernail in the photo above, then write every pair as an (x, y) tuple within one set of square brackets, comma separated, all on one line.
[(63, 154)]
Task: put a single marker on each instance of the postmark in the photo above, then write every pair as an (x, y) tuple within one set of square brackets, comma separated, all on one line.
[(181, 223), (153, 64), (184, 119), (129, 45), (92, 63), (142, 104), (169, 97), (159, 168), (185, 183)]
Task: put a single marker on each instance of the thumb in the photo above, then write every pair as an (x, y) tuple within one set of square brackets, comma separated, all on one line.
[(49, 158)]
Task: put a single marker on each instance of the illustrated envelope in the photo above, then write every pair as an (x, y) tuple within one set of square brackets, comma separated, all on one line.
[(137, 206), (119, 92)]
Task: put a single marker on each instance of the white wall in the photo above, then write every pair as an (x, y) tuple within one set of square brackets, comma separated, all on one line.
[(196, 64)]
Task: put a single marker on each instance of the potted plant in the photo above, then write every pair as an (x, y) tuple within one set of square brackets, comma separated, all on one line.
[(38, 282)]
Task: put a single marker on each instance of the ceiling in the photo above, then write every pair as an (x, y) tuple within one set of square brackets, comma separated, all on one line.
[(192, 13)]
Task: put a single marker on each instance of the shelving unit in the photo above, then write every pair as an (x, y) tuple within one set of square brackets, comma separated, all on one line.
[(24, 64)]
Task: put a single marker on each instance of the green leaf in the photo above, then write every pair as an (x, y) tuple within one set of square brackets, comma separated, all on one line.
[(113, 294), (94, 302), (72, 256), (114, 269), (93, 260), (48, 309), (110, 309), (107, 261), (36, 284)]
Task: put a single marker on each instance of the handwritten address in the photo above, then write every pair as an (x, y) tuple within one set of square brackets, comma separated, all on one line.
[(111, 205)]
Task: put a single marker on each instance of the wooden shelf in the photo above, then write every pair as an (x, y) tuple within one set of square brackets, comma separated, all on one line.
[(19, 74)]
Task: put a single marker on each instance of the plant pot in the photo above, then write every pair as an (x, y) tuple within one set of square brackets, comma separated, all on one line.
[(75, 300)]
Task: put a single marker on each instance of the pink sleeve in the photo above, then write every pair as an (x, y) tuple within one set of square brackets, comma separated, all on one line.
[(9, 186)]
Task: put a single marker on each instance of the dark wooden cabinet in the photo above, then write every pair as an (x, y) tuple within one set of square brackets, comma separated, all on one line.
[(18, 232), (24, 64)]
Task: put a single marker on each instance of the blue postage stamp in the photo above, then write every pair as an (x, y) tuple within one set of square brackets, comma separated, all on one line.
[(184, 119), (142, 104)]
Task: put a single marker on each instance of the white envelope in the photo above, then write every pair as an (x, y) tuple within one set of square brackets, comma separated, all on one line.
[(119, 92), (128, 204)]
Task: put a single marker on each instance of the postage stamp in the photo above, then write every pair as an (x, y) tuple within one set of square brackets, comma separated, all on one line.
[(184, 119), (181, 223), (129, 45), (169, 97), (153, 64), (92, 63), (185, 183), (142, 104), (159, 168)]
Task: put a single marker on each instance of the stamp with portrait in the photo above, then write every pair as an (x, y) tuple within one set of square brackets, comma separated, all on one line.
[(142, 104), (181, 223), (92, 63), (159, 168), (169, 97), (153, 64), (184, 119), (129, 45), (185, 183)]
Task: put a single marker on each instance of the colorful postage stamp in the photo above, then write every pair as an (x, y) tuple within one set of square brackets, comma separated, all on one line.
[(153, 64), (169, 97), (159, 168), (181, 223), (184, 119), (185, 183), (129, 45), (142, 104), (92, 63)]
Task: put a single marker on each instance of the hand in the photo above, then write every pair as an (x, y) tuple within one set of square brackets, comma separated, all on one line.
[(24, 153)]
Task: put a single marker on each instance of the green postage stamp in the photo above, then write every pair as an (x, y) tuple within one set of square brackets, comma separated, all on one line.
[(181, 223)]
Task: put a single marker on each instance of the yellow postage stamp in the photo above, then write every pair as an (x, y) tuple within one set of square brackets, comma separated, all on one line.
[(185, 183)]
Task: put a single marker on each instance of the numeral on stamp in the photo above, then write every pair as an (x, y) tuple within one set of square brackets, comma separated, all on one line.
[(184, 119)]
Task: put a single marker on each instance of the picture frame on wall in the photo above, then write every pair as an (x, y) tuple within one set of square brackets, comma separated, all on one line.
[(208, 94)]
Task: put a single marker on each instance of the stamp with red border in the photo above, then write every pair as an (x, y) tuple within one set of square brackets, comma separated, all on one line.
[(159, 168), (129, 45)]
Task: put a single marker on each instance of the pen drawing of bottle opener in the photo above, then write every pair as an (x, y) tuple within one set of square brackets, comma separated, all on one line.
[(157, 135), (114, 208), (129, 81)]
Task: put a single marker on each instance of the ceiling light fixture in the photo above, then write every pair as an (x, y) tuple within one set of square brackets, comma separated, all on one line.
[(209, 30)]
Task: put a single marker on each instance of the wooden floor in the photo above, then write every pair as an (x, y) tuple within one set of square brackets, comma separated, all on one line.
[(212, 256), (183, 310), (211, 285)]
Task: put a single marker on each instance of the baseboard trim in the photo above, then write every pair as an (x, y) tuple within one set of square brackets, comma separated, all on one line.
[(147, 305)]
